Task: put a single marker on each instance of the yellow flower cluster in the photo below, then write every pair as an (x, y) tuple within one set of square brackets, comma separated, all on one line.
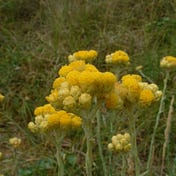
[(132, 90), (15, 142), (83, 55), (78, 83), (120, 143), (47, 118), (168, 62), (1, 97), (118, 57)]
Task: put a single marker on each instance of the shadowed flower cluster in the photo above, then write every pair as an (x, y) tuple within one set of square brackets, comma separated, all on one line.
[(131, 90), (120, 143), (47, 119)]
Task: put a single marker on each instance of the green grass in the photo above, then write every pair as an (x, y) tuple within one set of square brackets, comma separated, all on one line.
[(36, 38)]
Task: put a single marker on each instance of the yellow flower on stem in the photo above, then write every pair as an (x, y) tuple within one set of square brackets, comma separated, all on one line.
[(168, 62), (146, 97), (118, 57)]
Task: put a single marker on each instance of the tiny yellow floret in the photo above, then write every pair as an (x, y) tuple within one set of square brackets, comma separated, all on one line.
[(15, 142)]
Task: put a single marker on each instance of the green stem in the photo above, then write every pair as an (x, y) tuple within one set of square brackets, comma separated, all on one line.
[(59, 138), (161, 106), (88, 133), (15, 160), (132, 127), (124, 164), (99, 143)]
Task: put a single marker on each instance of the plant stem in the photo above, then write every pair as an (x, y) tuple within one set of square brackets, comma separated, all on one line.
[(132, 127), (88, 133), (59, 138), (99, 143), (161, 106), (124, 164), (167, 132)]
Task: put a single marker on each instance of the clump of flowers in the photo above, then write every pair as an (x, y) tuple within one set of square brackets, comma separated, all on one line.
[(77, 86), (48, 119), (85, 55), (131, 90), (1, 97), (118, 57), (120, 143), (15, 142), (168, 62)]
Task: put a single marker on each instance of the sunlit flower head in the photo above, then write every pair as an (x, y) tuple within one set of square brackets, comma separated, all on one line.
[(135, 76), (83, 55), (168, 62), (53, 97), (64, 70), (72, 77), (131, 84), (146, 97), (78, 65), (57, 82), (46, 109), (91, 68), (63, 121), (118, 57)]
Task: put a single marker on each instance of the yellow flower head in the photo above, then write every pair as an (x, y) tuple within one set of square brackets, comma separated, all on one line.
[(72, 77), (33, 127), (53, 97), (65, 121), (113, 101), (131, 84), (107, 81), (1, 97), (91, 68), (65, 70), (146, 97), (69, 102), (46, 109), (118, 57), (75, 91), (57, 82), (54, 119), (78, 65), (120, 143), (85, 100), (15, 142), (63, 92), (135, 76), (87, 81), (83, 55), (168, 62), (76, 121)]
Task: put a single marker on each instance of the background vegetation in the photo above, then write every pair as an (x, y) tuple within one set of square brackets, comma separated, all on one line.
[(35, 39)]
